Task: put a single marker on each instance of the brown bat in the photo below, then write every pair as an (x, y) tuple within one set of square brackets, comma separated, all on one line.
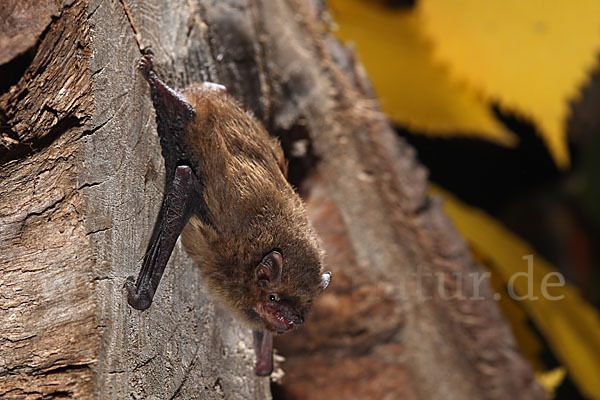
[(242, 222)]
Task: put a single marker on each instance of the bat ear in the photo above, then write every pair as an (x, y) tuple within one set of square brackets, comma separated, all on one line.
[(325, 279), (268, 273)]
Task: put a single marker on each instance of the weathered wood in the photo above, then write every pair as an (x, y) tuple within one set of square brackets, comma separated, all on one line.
[(23, 22), (48, 334), (82, 181)]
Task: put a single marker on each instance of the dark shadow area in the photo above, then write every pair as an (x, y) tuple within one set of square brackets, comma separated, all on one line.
[(299, 154), (13, 71), (484, 174)]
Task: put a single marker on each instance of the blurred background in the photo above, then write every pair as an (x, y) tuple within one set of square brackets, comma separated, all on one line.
[(502, 102)]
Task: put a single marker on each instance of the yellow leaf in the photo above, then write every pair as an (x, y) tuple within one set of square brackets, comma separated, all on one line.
[(550, 380), (527, 339), (412, 90), (570, 325), (532, 56)]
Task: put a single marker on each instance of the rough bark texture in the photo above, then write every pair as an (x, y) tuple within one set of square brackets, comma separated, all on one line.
[(82, 183), (82, 180)]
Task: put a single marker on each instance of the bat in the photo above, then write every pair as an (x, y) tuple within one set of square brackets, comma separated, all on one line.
[(227, 195)]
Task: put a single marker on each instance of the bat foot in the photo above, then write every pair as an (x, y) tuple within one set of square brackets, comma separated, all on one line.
[(145, 66), (147, 51), (263, 348), (139, 301), (261, 369)]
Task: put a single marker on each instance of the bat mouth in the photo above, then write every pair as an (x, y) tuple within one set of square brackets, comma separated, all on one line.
[(276, 321), (283, 324)]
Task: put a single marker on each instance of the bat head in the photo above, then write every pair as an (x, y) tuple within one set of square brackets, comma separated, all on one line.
[(279, 307)]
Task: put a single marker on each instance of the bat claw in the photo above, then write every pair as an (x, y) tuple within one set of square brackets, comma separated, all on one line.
[(145, 66), (147, 51)]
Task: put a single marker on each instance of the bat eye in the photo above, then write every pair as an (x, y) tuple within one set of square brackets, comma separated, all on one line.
[(273, 297)]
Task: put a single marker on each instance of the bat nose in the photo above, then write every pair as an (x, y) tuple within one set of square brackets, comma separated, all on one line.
[(298, 320)]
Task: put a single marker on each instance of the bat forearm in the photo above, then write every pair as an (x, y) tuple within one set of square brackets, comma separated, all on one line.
[(174, 215)]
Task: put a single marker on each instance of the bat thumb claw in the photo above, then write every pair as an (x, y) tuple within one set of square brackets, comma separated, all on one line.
[(139, 301)]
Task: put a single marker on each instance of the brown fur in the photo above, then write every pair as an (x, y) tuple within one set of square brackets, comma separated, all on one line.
[(253, 208)]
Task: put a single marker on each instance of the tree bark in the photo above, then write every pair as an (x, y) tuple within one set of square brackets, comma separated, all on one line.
[(82, 181)]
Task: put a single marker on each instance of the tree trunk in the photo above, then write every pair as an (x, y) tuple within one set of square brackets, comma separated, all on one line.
[(82, 181)]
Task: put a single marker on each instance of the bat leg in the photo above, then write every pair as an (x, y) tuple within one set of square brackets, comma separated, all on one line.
[(174, 214), (172, 109), (263, 348)]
